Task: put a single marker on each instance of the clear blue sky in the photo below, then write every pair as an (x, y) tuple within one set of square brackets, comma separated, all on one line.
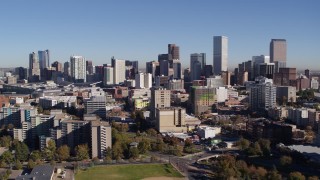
[(141, 29)]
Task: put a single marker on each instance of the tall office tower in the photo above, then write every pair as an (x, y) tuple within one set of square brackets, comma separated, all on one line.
[(133, 65), (34, 69), (262, 95), (98, 73), (151, 68), (139, 81), (57, 65), (100, 138), (285, 77), (307, 73), (174, 50), (267, 70), (96, 105), (66, 68), (164, 57), (198, 58), (159, 98), (22, 73), (164, 67), (108, 75), (89, 67), (202, 98), (278, 53), (226, 76), (220, 54), (257, 60), (147, 80), (176, 66), (119, 70), (78, 68), (44, 59)]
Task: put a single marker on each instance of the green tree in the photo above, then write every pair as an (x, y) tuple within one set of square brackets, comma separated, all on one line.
[(108, 153), (257, 149), (35, 155), (134, 153), (144, 146), (82, 152), (63, 153), (18, 165), (296, 176), (188, 146), (31, 164), (50, 150), (7, 157), (274, 174), (242, 166), (21, 150), (285, 160), (243, 143), (226, 167), (152, 132), (117, 151), (265, 146), (5, 141)]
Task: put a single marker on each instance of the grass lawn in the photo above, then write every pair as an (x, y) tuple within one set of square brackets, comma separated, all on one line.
[(128, 172)]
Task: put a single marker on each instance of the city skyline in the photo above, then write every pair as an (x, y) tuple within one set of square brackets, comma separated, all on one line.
[(139, 31)]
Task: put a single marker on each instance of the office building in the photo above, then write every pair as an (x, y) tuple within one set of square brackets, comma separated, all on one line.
[(202, 98), (226, 76), (220, 54), (174, 51), (164, 67), (197, 65), (215, 82), (101, 138), (22, 134), (34, 68), (89, 67), (96, 105), (22, 73), (314, 84), (44, 59), (151, 68), (57, 65), (267, 70), (119, 70), (78, 68), (74, 132), (285, 77), (257, 60), (278, 53), (139, 79), (176, 67), (286, 94), (147, 80), (171, 119), (108, 76), (160, 98)]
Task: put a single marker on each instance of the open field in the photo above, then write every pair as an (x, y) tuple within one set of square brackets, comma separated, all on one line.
[(129, 172)]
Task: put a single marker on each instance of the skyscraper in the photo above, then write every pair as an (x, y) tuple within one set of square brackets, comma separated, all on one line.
[(34, 70), (196, 60), (44, 59), (108, 75), (278, 53), (57, 65), (220, 54), (78, 68), (119, 70), (174, 50)]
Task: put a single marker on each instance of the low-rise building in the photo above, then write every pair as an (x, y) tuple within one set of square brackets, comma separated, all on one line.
[(208, 132)]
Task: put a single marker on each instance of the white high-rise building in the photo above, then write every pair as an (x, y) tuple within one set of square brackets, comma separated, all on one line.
[(262, 95), (139, 80), (220, 54), (147, 80), (78, 68), (119, 70), (108, 76)]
